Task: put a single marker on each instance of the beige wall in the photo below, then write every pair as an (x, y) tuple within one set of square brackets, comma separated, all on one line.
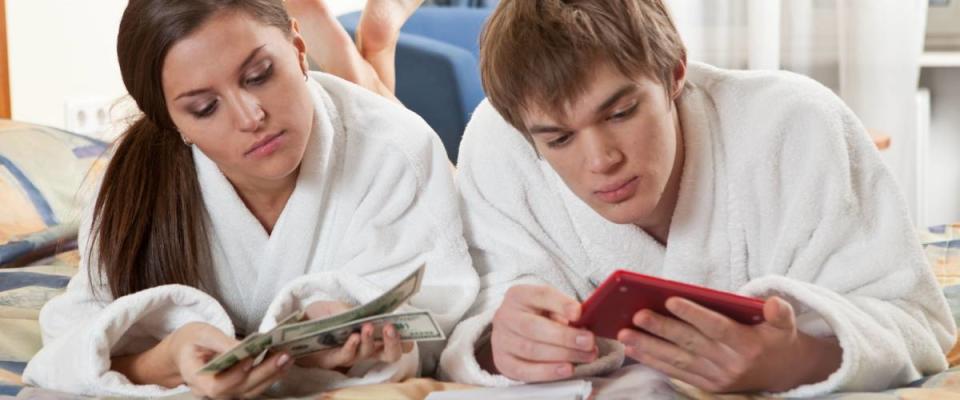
[(63, 49)]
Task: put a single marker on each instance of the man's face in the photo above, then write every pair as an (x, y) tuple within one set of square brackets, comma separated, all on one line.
[(615, 147)]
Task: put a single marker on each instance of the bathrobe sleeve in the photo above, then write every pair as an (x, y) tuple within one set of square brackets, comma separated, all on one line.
[(518, 234), (827, 229), (84, 327), (405, 215)]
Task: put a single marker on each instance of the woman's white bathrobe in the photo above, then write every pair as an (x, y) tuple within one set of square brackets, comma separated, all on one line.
[(782, 193), (374, 200)]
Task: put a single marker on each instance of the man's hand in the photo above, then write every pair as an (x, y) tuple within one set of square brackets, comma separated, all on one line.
[(532, 340), (712, 352)]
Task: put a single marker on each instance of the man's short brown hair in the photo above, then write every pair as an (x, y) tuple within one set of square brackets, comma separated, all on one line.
[(539, 53)]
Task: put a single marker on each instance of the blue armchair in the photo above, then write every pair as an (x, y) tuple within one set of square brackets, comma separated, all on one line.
[(437, 67)]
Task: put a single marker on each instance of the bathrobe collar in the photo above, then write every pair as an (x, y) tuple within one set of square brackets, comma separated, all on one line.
[(287, 250)]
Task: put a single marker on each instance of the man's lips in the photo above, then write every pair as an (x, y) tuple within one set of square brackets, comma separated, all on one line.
[(610, 188), (617, 192)]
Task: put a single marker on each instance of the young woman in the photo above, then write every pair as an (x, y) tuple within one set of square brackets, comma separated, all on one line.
[(248, 189)]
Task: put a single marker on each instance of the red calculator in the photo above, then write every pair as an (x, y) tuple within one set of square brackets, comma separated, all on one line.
[(611, 307)]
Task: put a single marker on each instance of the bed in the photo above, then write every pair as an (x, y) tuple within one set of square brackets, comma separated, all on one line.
[(45, 176)]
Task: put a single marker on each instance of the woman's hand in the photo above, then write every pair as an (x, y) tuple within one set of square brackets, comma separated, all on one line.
[(532, 340), (195, 344), (178, 358), (359, 346), (712, 352)]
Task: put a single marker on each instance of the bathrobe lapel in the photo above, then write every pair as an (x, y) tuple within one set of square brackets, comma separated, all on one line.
[(698, 248), (258, 264)]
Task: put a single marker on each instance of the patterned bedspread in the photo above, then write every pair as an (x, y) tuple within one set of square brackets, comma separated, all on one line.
[(24, 290)]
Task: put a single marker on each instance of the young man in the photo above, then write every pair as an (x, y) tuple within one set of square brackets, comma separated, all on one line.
[(601, 148)]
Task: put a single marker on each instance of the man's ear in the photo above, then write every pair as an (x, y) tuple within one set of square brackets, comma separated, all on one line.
[(679, 78), (299, 44)]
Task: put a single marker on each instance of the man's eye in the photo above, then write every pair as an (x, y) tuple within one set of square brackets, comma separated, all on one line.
[(559, 141), (622, 115)]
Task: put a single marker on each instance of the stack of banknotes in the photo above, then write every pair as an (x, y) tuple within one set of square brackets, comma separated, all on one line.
[(299, 338)]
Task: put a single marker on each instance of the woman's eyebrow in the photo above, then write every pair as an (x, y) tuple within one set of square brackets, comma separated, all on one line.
[(246, 62)]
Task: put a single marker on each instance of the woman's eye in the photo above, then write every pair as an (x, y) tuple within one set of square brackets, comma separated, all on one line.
[(260, 78), (207, 110), (559, 141)]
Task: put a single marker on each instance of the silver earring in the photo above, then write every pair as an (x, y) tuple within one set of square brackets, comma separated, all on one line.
[(184, 139)]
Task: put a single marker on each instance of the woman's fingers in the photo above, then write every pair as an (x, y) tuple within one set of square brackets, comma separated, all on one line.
[(368, 347), (392, 348), (262, 376)]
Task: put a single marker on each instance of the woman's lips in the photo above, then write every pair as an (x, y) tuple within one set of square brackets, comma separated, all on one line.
[(266, 146), (618, 192)]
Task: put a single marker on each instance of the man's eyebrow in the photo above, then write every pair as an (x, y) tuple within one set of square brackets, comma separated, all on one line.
[(619, 94), (544, 129), (246, 62), (609, 102)]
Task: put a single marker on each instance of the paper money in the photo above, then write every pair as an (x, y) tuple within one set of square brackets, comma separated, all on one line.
[(289, 329), (413, 326), (384, 304), (255, 345)]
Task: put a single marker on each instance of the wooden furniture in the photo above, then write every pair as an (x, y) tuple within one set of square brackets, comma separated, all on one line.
[(4, 65)]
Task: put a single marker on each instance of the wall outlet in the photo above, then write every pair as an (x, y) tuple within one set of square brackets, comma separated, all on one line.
[(88, 116)]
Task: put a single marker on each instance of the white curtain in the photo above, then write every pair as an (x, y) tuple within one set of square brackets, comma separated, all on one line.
[(867, 51)]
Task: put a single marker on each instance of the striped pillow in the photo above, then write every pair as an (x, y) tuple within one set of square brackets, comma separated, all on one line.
[(42, 176)]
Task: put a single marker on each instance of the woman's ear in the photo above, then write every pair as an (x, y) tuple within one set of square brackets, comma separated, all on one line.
[(679, 78), (300, 45)]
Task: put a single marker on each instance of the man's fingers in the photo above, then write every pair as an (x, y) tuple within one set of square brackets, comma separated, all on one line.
[(543, 330), (526, 349), (543, 299), (671, 370), (526, 371), (779, 314), (711, 324), (639, 343), (678, 332)]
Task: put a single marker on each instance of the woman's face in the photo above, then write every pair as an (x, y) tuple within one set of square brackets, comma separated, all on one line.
[(236, 88)]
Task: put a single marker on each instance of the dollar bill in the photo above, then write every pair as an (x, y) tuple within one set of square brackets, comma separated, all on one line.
[(413, 326), (238, 353), (255, 345), (290, 329), (386, 303)]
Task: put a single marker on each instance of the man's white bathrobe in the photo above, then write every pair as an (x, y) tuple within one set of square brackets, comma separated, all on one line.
[(782, 193), (374, 200)]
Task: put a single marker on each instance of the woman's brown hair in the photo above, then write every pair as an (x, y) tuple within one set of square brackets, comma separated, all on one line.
[(149, 222)]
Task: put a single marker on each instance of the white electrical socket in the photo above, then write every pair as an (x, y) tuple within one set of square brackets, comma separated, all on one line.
[(88, 116)]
